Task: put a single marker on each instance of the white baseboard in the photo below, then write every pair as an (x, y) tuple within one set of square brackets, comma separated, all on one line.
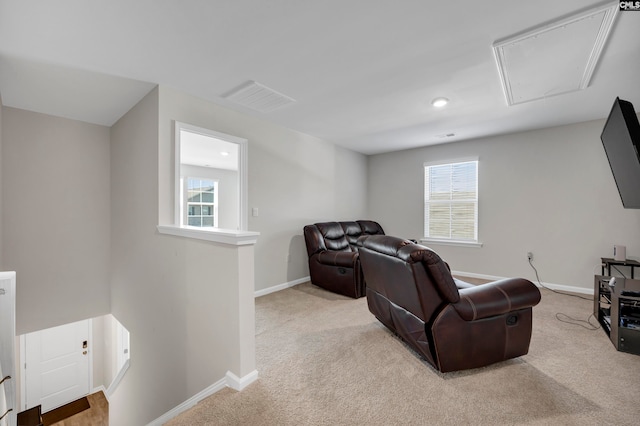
[(103, 389), (279, 287), (229, 380), (116, 380), (479, 276), (234, 382), (568, 288), (558, 287)]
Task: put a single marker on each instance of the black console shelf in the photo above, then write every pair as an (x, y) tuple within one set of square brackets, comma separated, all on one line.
[(617, 309), (607, 263)]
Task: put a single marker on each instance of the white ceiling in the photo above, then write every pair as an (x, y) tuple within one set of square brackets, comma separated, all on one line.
[(206, 151), (362, 72)]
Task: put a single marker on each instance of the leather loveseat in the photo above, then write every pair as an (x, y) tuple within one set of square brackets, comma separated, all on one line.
[(333, 256), (451, 324)]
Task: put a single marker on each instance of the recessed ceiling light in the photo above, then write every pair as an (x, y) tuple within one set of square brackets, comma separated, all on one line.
[(224, 153), (439, 102)]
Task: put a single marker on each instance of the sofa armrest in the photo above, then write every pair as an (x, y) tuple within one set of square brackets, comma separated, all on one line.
[(496, 298), (345, 259), (313, 240)]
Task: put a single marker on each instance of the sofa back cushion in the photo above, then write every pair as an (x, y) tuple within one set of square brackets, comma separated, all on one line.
[(370, 227), (355, 229), (388, 275), (389, 271), (338, 236), (435, 267), (334, 236), (409, 275), (351, 231)]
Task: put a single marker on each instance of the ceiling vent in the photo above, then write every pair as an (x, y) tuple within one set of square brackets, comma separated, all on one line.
[(554, 58), (258, 97)]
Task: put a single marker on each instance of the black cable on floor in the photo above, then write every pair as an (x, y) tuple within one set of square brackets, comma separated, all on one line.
[(569, 319), (579, 322)]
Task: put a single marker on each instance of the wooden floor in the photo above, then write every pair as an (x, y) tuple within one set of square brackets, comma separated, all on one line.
[(97, 415)]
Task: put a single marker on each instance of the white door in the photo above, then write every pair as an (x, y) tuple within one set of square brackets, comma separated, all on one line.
[(57, 365)]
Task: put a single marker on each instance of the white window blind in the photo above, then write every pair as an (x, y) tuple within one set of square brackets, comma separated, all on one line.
[(451, 201)]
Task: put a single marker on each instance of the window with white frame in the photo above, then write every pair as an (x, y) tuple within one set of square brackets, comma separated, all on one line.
[(210, 178), (451, 201), (200, 200)]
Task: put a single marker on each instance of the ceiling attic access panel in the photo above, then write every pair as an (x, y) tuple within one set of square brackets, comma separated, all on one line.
[(553, 58)]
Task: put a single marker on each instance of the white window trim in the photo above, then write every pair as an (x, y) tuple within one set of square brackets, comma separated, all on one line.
[(452, 242), (223, 236), (458, 243), (455, 160), (242, 168), (234, 237)]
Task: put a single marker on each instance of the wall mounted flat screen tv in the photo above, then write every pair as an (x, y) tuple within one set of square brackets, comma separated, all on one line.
[(621, 140)]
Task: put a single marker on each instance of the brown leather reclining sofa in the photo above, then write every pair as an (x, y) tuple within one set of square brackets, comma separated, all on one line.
[(333, 256), (451, 324)]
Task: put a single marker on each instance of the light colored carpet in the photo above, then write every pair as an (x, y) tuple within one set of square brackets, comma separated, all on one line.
[(323, 359)]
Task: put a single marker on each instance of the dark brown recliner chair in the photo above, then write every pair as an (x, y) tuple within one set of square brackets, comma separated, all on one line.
[(451, 324), (333, 256)]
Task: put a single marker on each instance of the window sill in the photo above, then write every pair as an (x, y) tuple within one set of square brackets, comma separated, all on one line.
[(216, 235), (458, 243)]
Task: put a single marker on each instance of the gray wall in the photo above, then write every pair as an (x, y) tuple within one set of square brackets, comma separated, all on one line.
[(99, 350), (547, 191), (55, 217), (294, 180), (78, 229), (178, 297), (2, 268)]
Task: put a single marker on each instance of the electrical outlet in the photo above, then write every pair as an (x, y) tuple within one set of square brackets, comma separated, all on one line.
[(529, 255)]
